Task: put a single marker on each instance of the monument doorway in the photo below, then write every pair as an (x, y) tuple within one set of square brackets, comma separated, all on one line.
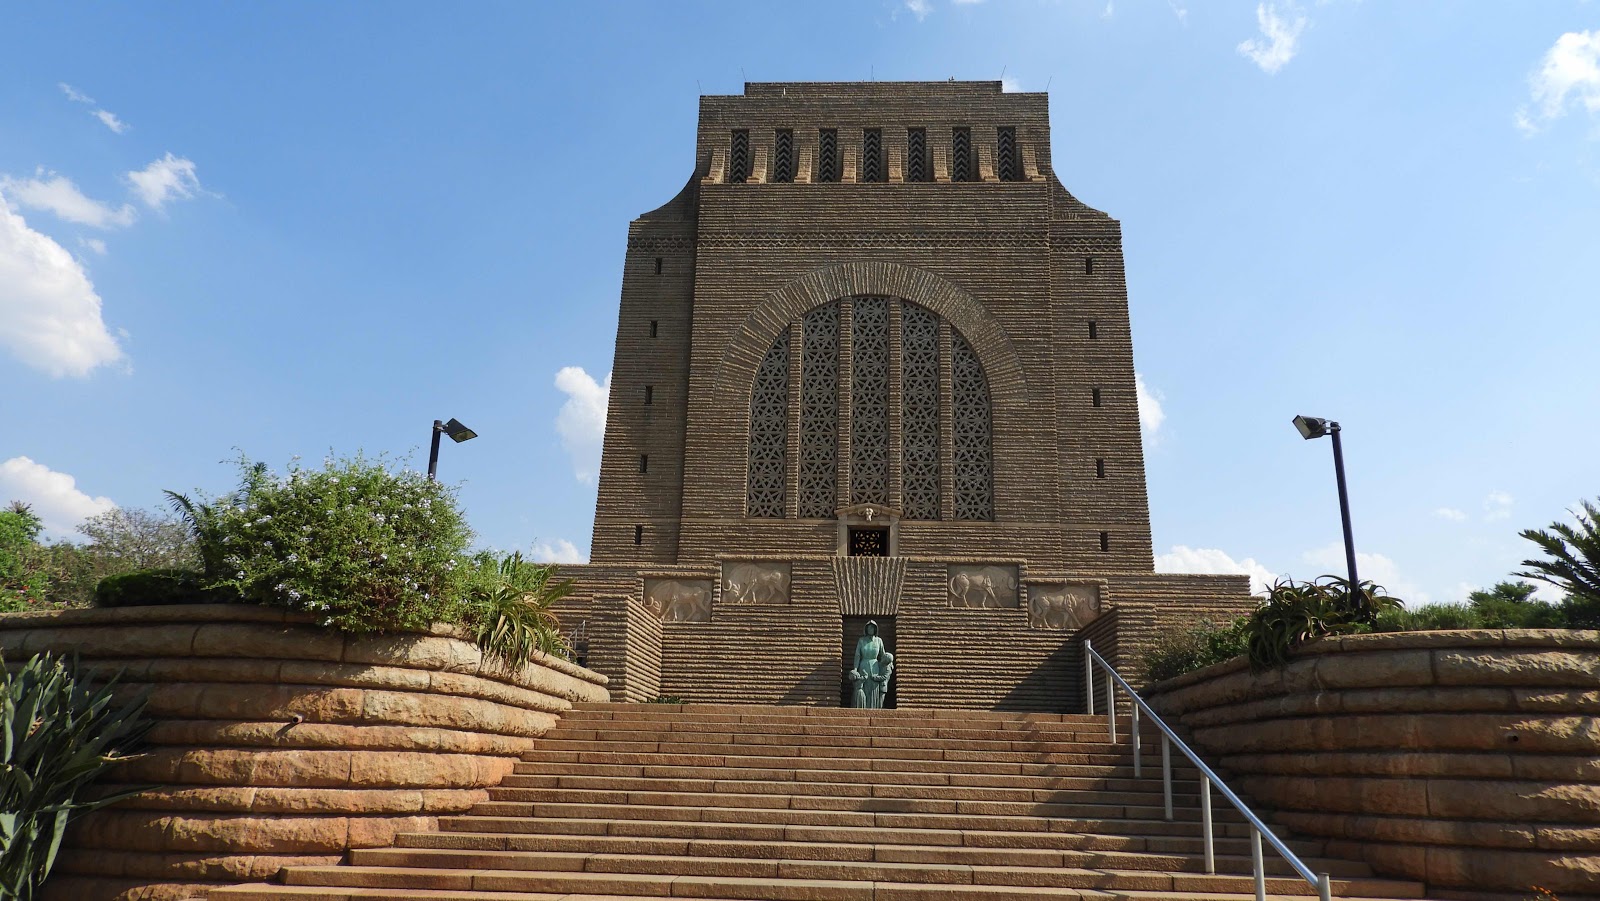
[(854, 628)]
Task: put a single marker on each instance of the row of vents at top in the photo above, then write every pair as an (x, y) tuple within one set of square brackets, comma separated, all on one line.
[(874, 159)]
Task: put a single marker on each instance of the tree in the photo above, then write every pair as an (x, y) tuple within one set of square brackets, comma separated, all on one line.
[(1573, 553), (131, 538), (23, 573)]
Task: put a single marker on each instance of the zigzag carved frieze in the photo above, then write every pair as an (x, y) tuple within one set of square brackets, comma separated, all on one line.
[(944, 239)]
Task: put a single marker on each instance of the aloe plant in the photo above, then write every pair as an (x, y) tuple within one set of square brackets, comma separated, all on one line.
[(508, 606), (58, 731), (1296, 612)]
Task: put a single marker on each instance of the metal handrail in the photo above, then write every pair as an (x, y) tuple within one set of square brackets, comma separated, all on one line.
[(1318, 881)]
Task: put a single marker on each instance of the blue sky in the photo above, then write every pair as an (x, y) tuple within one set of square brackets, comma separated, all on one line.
[(285, 229)]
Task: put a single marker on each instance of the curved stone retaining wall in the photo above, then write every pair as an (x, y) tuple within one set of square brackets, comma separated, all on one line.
[(1469, 760), (277, 742)]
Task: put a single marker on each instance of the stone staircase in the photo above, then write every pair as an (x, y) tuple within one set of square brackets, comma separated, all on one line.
[(743, 803)]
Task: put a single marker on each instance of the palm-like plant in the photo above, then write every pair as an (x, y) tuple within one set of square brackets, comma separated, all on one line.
[(58, 731), (509, 603), (1573, 552)]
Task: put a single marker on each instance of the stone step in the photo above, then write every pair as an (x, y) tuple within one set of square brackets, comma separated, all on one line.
[(1109, 834), (782, 880), (592, 776), (542, 759), (814, 726), (863, 797), (414, 844), (613, 710), (863, 744), (1046, 752), (888, 893)]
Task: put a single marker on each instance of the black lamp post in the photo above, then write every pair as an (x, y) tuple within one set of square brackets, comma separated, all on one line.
[(458, 433), (1311, 427)]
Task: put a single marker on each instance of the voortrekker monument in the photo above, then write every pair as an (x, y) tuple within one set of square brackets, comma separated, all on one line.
[(874, 363)]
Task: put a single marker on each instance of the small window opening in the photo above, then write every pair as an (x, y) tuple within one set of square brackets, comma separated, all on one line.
[(638, 535), (650, 395), (783, 156), (828, 155), (1096, 396), (1100, 468), (917, 165), (739, 158), (1010, 159), (1094, 329), (872, 163), (1088, 265), (644, 462), (961, 167), (658, 265), (1105, 541), (655, 329)]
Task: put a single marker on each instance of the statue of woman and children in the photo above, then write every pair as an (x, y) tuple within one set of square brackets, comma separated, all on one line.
[(874, 667)]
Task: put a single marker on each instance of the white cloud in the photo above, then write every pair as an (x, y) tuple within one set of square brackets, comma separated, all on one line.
[(94, 244), (1184, 559), (919, 8), (110, 120), (53, 495), (1150, 413), (581, 422), (1569, 75), (1179, 10), (1010, 85), (1450, 513), (57, 194), (1497, 506), (562, 551), (49, 311), (966, 2), (1280, 33), (73, 94), (1109, 11), (163, 180), (1370, 568)]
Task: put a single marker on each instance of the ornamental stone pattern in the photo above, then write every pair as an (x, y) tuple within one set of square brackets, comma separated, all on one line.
[(874, 305)]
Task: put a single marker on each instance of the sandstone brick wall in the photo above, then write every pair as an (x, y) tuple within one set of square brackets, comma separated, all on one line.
[(1469, 760), (277, 742), (625, 641)]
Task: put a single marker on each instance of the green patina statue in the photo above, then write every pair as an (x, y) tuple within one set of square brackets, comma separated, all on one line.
[(874, 666)]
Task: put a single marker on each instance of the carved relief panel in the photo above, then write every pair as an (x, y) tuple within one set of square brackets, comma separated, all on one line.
[(679, 600), (983, 586), (1062, 606), (755, 582)]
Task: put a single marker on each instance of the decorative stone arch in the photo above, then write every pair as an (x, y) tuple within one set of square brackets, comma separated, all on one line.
[(1008, 390)]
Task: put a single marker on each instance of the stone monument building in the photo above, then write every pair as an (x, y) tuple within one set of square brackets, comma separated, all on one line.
[(874, 362)]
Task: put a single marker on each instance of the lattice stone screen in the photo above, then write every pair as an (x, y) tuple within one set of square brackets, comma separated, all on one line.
[(819, 412), (769, 432), (869, 396)]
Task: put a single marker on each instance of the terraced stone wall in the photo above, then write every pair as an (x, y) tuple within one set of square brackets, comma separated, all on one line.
[(278, 743), (1468, 759)]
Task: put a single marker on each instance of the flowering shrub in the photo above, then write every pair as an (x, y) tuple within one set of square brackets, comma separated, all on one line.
[(361, 546)]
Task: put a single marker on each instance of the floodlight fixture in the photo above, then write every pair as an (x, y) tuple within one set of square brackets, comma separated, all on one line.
[(457, 432), (1311, 427)]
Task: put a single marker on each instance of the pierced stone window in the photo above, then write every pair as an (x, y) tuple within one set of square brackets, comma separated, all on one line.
[(783, 156), (739, 158), (819, 412), (1010, 158), (917, 167), (928, 385), (869, 401), (828, 155), (972, 439), (769, 432), (872, 164), (961, 166), (919, 412)]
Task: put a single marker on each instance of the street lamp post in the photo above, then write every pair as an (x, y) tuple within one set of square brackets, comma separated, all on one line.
[(457, 432), (1311, 427)]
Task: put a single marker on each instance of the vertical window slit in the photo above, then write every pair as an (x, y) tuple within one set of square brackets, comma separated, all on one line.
[(828, 155), (1105, 541), (638, 535), (739, 157), (1096, 395)]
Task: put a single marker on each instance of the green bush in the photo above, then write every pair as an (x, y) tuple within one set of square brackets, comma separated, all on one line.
[(506, 603), (363, 547), (57, 733), (24, 578), (152, 587), (1184, 652)]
